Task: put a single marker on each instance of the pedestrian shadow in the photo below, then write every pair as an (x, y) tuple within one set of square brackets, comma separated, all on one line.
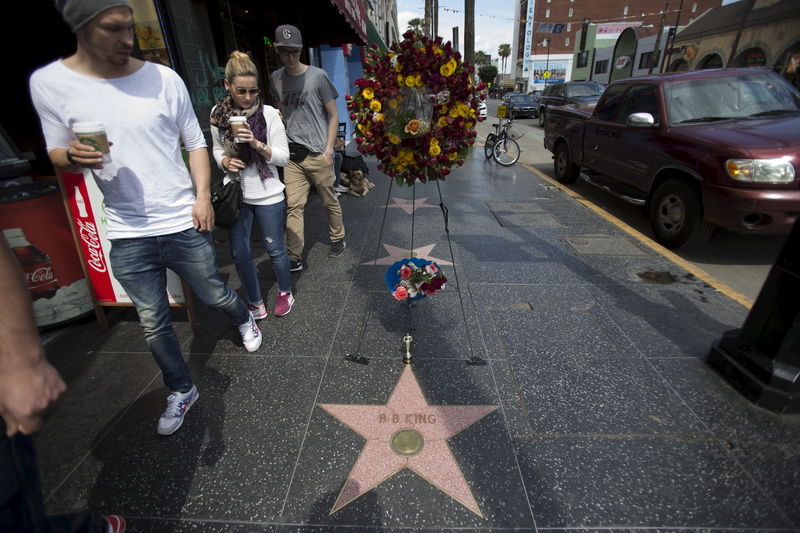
[(363, 511), (147, 475)]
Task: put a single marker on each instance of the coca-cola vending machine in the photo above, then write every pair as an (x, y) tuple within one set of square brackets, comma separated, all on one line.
[(35, 226)]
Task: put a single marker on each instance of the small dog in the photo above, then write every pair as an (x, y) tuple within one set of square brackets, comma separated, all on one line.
[(357, 182)]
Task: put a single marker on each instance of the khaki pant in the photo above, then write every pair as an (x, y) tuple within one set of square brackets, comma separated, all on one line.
[(299, 177)]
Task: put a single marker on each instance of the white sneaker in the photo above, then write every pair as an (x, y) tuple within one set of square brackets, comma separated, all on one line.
[(178, 403), (340, 188), (251, 335)]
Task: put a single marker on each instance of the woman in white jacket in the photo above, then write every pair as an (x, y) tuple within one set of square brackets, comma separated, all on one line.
[(251, 157)]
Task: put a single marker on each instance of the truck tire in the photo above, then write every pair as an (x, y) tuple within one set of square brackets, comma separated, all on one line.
[(676, 215), (542, 116), (566, 170)]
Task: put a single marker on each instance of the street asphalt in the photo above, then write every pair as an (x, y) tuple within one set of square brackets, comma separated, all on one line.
[(558, 383)]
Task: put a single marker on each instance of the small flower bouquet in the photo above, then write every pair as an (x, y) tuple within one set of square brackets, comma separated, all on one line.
[(412, 279)]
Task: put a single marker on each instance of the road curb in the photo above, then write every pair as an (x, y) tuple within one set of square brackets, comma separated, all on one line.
[(650, 243)]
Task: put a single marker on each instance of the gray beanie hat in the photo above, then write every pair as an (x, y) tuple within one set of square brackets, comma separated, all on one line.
[(76, 13)]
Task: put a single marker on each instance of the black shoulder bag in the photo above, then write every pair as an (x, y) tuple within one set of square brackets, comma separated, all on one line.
[(226, 201)]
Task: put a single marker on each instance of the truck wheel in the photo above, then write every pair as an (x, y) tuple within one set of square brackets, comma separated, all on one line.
[(566, 170), (676, 215), (542, 113)]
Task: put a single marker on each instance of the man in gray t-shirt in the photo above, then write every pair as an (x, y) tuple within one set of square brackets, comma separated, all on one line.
[(307, 99)]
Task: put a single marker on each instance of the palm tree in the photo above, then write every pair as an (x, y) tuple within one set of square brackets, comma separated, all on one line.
[(469, 31), (504, 50), (416, 25), (481, 58)]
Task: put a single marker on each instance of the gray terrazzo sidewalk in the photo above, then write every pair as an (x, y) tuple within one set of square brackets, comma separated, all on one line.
[(607, 418)]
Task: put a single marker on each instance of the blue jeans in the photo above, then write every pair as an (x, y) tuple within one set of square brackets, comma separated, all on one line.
[(272, 221), (337, 167), (21, 501), (140, 265)]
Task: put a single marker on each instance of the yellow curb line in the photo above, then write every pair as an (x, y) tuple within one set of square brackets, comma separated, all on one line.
[(650, 243)]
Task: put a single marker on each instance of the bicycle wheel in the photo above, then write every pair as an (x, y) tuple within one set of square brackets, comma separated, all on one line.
[(506, 152), (491, 139)]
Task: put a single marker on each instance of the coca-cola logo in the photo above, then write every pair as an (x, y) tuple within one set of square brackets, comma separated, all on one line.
[(39, 276), (88, 233)]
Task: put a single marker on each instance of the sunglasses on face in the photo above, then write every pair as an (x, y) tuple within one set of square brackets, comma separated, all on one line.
[(242, 91)]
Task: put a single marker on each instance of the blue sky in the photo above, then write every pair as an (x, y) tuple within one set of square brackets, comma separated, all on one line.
[(494, 23)]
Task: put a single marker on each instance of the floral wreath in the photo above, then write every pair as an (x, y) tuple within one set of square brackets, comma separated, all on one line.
[(416, 108), (414, 278)]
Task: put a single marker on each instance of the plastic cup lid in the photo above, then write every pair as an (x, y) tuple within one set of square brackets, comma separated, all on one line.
[(237, 118), (88, 127)]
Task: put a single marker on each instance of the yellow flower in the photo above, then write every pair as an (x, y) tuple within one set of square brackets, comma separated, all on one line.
[(379, 116), (398, 67), (363, 128), (434, 148), (454, 112), (410, 81), (418, 80), (375, 105), (463, 109), (394, 139), (368, 93), (392, 104), (452, 156), (437, 50), (448, 68), (443, 110), (400, 79), (469, 124), (441, 122)]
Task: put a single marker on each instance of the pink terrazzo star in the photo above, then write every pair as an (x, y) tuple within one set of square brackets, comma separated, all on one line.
[(407, 409), (408, 206), (396, 254)]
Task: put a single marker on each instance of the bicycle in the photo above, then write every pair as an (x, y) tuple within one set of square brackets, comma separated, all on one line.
[(502, 145)]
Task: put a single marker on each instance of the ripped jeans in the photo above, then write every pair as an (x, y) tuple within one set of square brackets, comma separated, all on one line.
[(272, 221)]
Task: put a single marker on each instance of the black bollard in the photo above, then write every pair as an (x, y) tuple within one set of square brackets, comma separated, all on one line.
[(762, 359)]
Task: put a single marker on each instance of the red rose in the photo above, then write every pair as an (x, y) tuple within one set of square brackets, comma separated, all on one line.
[(405, 272), (400, 293)]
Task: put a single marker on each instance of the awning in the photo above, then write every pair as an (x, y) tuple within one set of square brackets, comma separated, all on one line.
[(356, 16), (373, 37)]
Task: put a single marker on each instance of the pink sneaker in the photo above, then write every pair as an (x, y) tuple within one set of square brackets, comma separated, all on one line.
[(116, 523), (259, 311), (284, 303)]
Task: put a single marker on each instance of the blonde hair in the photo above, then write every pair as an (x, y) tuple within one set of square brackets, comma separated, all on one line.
[(240, 64)]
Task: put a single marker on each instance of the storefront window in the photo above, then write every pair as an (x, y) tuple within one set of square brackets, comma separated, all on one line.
[(752, 57), (196, 48), (150, 32), (789, 64)]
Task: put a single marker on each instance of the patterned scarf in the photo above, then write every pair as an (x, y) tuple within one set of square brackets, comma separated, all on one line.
[(255, 118)]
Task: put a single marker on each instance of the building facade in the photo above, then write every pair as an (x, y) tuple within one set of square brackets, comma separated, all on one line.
[(749, 33), (195, 38), (545, 36)]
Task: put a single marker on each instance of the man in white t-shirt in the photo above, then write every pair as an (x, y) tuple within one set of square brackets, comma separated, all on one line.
[(155, 219)]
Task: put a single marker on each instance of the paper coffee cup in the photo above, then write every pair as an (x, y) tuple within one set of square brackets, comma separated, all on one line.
[(93, 134), (237, 123)]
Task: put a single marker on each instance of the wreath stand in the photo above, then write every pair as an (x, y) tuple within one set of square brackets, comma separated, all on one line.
[(473, 359)]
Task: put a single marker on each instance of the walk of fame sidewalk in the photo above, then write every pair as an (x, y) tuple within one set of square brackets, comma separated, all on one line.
[(593, 408)]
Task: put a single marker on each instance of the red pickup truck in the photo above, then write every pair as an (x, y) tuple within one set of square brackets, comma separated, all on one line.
[(699, 150)]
